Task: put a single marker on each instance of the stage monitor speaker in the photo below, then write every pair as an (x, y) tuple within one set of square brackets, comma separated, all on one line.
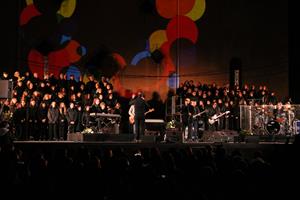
[(6, 88), (173, 136)]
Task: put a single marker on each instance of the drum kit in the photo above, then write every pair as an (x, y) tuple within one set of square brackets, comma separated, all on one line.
[(266, 122)]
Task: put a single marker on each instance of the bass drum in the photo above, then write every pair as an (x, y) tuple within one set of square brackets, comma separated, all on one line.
[(273, 127)]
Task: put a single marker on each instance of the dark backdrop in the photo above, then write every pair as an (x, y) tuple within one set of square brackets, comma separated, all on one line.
[(254, 31)]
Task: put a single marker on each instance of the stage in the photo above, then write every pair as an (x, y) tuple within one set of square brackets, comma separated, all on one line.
[(248, 146)]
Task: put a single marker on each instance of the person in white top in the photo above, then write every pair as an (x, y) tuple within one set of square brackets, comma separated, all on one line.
[(131, 113)]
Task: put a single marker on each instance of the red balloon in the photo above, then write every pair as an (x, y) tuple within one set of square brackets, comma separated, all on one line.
[(170, 8), (182, 27)]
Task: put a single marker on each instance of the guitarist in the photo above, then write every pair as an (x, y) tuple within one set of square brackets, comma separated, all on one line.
[(131, 113), (213, 111), (193, 121), (185, 110), (140, 107), (202, 118)]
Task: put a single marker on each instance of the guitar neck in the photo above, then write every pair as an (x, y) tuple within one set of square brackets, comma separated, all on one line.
[(149, 111), (199, 114), (220, 115)]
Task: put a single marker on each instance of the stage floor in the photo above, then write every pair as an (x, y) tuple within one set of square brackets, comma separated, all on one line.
[(147, 144)]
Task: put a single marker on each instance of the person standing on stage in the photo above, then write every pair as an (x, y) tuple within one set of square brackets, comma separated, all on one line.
[(193, 120), (71, 118), (32, 120), (62, 121), (213, 112), (52, 115), (131, 114), (185, 110), (140, 107), (131, 119), (86, 119), (43, 121), (79, 126)]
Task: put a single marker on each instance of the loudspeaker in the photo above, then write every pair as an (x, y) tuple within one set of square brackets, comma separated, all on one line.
[(6, 88), (235, 75), (173, 136), (157, 56)]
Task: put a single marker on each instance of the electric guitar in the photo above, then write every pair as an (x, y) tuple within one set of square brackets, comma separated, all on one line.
[(198, 114), (131, 117), (215, 117)]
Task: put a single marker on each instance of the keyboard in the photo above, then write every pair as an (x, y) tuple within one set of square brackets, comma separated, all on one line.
[(105, 115), (154, 121)]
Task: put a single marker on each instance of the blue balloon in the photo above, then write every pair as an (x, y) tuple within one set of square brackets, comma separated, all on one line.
[(83, 50), (138, 57)]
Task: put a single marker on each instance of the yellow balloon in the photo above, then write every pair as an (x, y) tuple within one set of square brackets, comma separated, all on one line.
[(197, 11), (67, 8), (156, 39), (29, 2)]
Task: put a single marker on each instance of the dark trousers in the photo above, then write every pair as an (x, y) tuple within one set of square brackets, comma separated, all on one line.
[(43, 133), (32, 130), (24, 130), (52, 131), (139, 127), (213, 127), (61, 130), (193, 130), (226, 123), (20, 131)]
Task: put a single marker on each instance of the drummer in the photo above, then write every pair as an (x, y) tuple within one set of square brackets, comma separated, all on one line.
[(280, 113), (280, 116)]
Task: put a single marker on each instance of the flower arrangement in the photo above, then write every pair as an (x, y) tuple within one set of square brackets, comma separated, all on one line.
[(88, 131), (171, 124)]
